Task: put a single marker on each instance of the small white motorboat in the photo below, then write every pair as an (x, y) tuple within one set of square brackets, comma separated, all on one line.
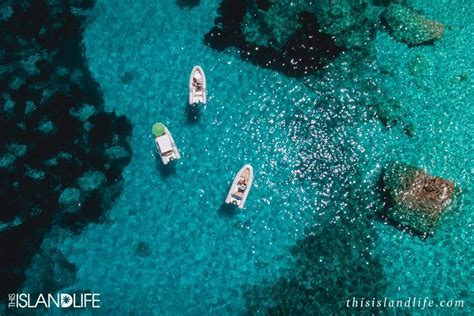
[(197, 86), (240, 187), (165, 144)]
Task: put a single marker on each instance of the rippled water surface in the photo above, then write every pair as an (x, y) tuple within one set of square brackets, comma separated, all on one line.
[(168, 244)]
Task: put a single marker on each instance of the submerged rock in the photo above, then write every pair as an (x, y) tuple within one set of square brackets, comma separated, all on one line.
[(127, 77), (143, 249), (91, 181), (348, 22), (272, 26), (411, 27), (7, 160), (6, 226), (83, 113), (117, 153), (30, 107), (6, 12), (18, 150), (388, 112), (70, 200), (34, 174), (8, 107), (46, 127), (415, 198)]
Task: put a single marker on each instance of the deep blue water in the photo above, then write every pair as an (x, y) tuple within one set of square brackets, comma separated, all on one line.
[(310, 141)]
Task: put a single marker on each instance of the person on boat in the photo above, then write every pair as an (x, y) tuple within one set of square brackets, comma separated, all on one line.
[(197, 84), (242, 184)]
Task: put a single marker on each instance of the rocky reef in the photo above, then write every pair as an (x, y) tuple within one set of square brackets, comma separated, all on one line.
[(272, 23), (61, 155), (301, 37), (389, 111), (414, 198), (266, 34), (298, 37), (411, 27)]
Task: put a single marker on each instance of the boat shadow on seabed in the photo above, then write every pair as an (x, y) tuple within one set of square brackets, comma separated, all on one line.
[(165, 170), (193, 113), (227, 210)]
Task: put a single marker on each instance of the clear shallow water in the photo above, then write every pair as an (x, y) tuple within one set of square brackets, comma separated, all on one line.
[(201, 256), (305, 154), (432, 82)]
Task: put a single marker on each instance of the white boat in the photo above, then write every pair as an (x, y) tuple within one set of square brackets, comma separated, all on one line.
[(197, 86), (165, 145), (240, 187)]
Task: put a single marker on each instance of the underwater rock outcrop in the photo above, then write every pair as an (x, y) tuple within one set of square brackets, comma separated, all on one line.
[(390, 113), (70, 200), (266, 34), (298, 37), (415, 198), (143, 249), (61, 155), (410, 27), (349, 23)]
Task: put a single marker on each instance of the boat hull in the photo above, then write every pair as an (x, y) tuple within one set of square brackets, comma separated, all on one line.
[(236, 196), (170, 156), (197, 95)]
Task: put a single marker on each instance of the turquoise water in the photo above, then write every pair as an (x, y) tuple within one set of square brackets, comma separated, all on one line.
[(310, 140)]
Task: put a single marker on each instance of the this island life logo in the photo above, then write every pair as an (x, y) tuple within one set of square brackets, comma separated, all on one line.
[(60, 300)]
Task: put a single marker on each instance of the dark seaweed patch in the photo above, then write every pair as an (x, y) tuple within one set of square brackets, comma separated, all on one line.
[(294, 58), (54, 132)]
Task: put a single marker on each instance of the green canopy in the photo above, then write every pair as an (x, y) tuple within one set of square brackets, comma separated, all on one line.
[(158, 129)]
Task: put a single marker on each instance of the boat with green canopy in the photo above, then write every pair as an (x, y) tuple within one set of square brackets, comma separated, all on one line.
[(165, 144)]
